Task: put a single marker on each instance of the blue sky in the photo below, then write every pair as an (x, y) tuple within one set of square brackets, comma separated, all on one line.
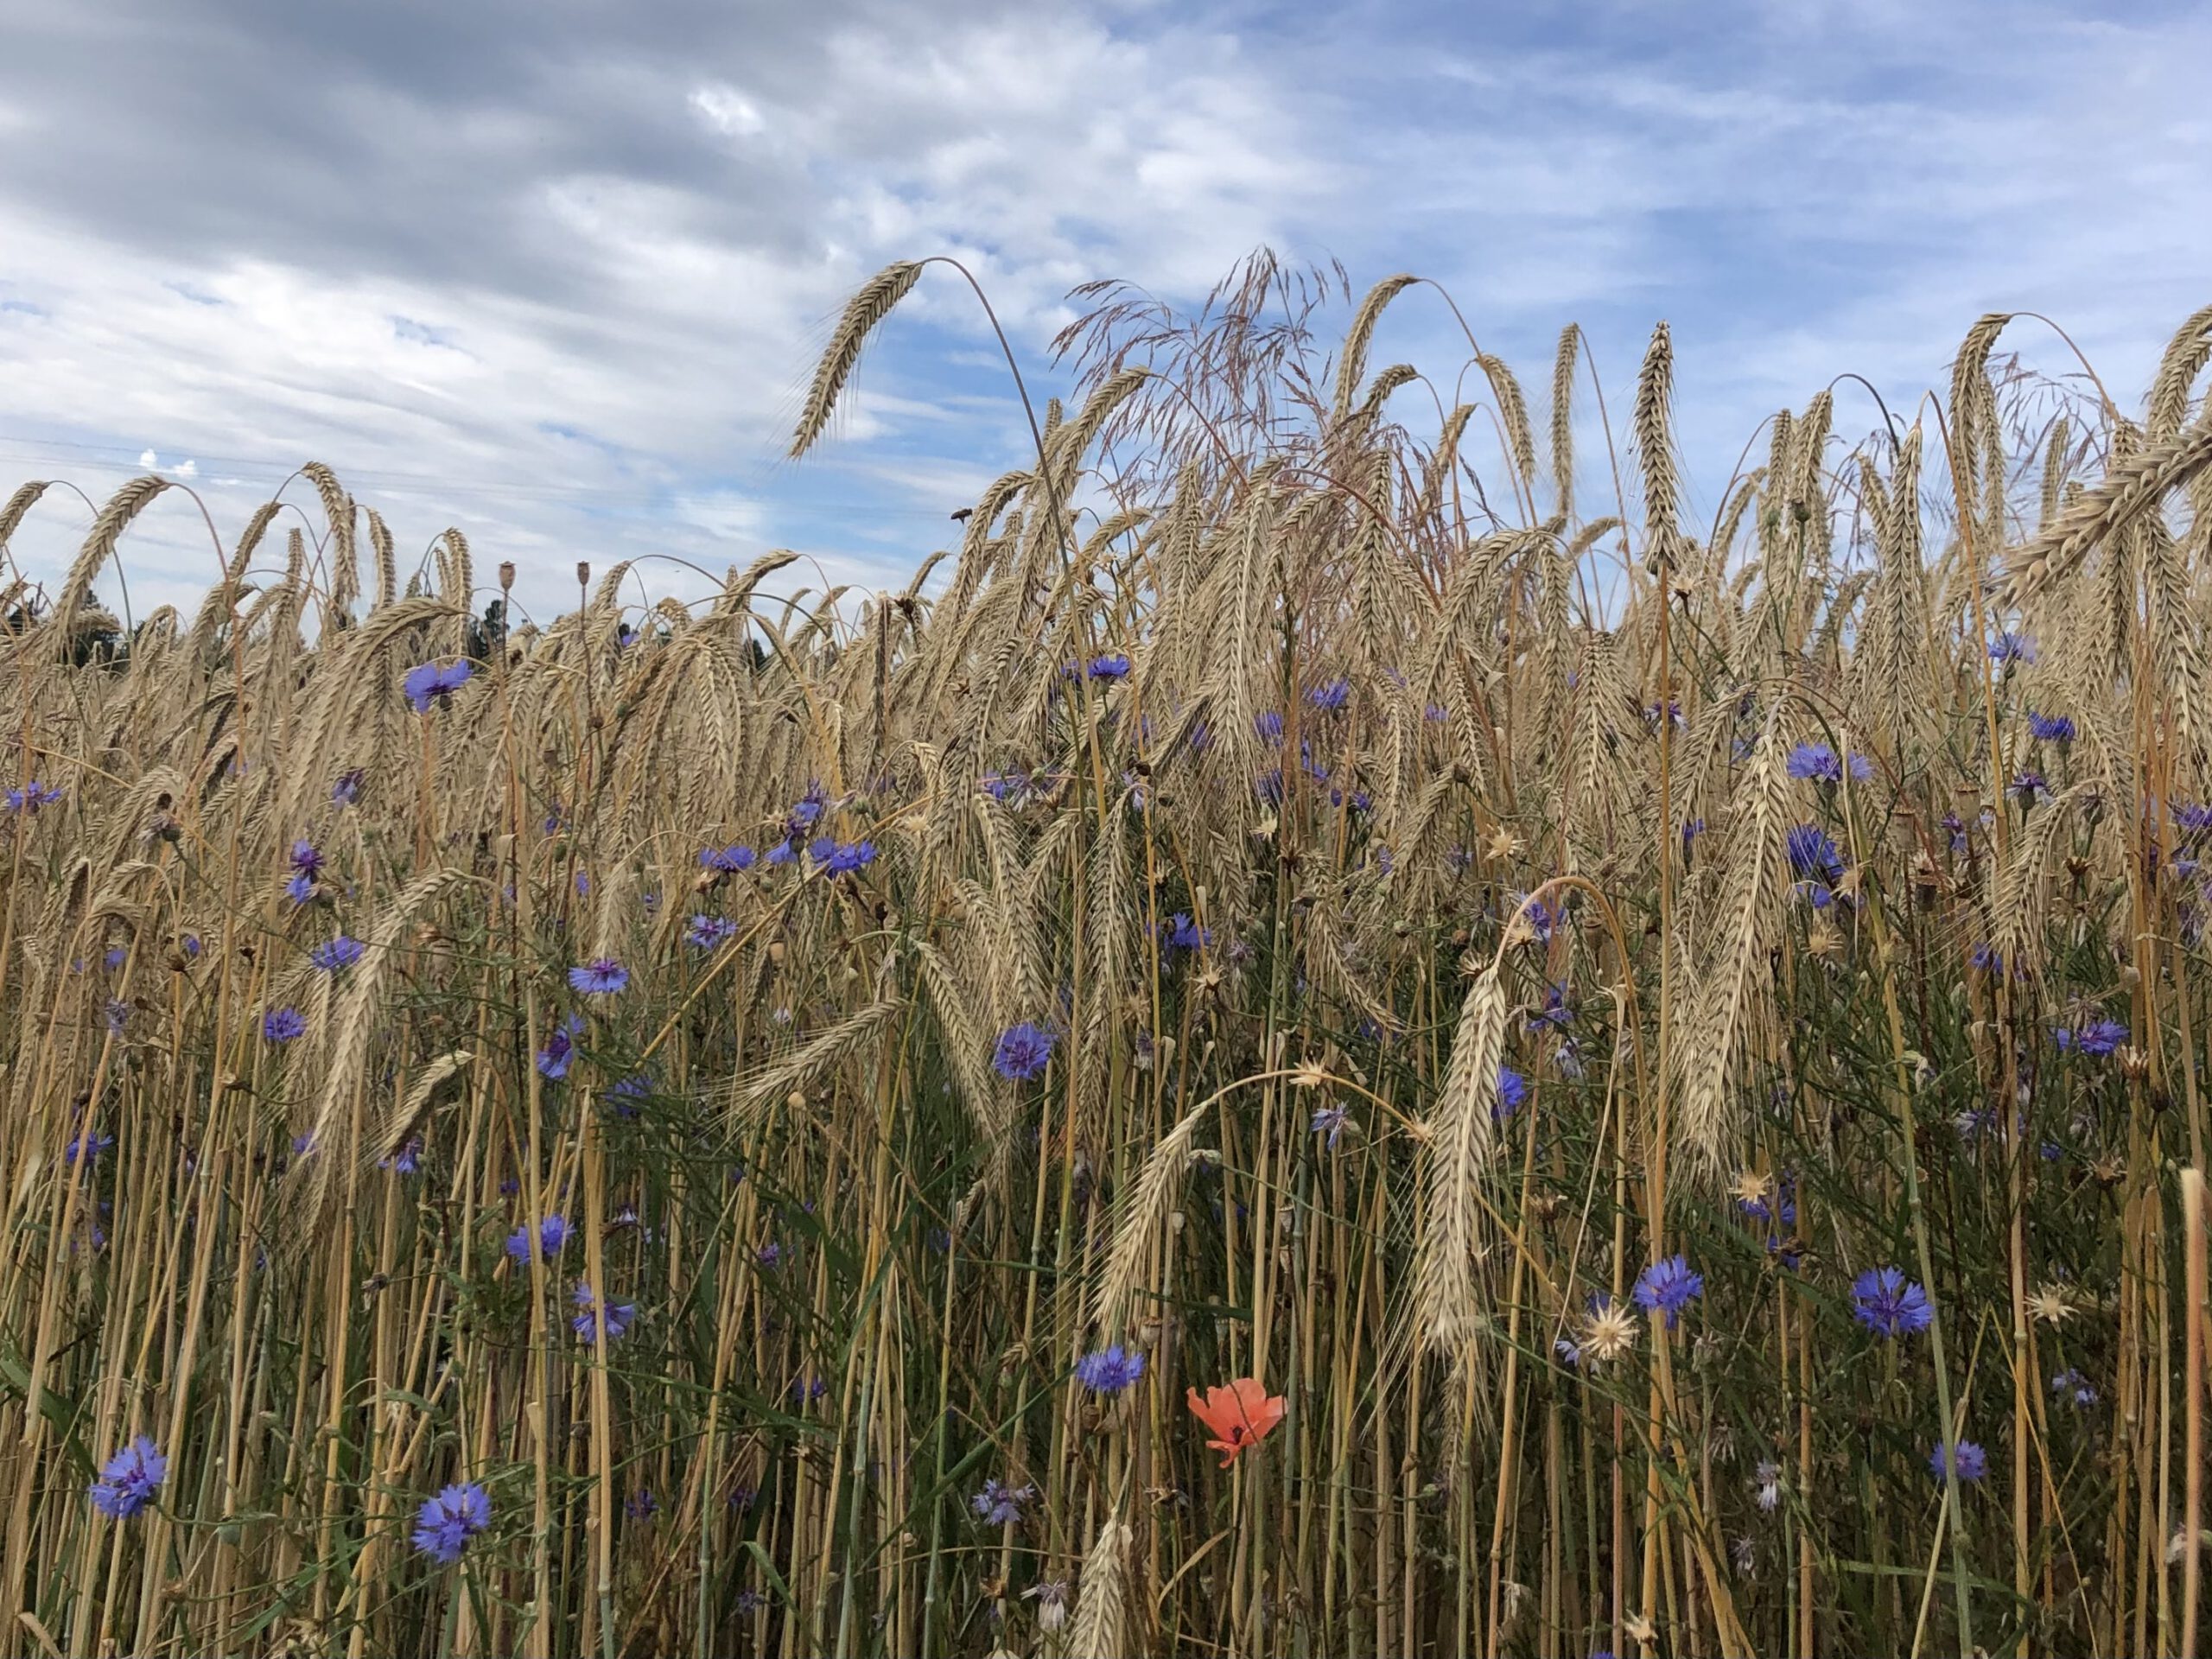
[(556, 274)]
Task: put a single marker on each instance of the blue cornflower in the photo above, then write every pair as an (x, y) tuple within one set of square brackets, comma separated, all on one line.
[(1814, 859), (307, 865), (590, 1312), (283, 1025), (2097, 1038), (2012, 648), (1817, 763), (782, 853), (706, 932), (1537, 919), (806, 810), (1184, 934), (601, 977), (1691, 831), (1987, 958), (1267, 726), (347, 789), (1112, 667), (624, 1094), (1667, 1286), (2050, 728), (1331, 697), (1974, 1462), (552, 1237), (128, 1480), (821, 847), (88, 1147), (445, 1523), (1111, 1370), (1330, 1121), (999, 1505), (1512, 1093), (2026, 785), (846, 856), (408, 1160), (33, 795), (769, 1255), (724, 860), (641, 1505), (2071, 1381), (1023, 1052), (1555, 1012), (333, 954), (1005, 786), (1670, 713), (429, 683), (560, 1049), (808, 1388), (1889, 1304)]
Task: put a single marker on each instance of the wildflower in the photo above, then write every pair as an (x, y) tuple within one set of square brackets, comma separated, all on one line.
[(88, 1147), (445, 1523), (805, 1389), (1532, 923), (307, 866), (347, 790), (2012, 648), (1111, 1370), (1267, 725), (2025, 786), (1331, 696), (782, 853), (1052, 1599), (769, 1255), (2071, 1381), (283, 1025), (640, 1505), (591, 1313), (1889, 1304), (806, 810), (407, 1161), (1973, 1463), (1184, 934), (1005, 786), (1512, 1093), (1555, 1012), (552, 1236), (1113, 667), (1330, 1121), (1667, 1286), (2050, 728), (708, 932), (1817, 763), (1608, 1331), (601, 977), (1691, 831), (560, 1049), (435, 682), (32, 796), (1769, 1482), (1238, 1416), (999, 1505), (624, 1093), (2050, 1305), (1812, 854), (1669, 713), (725, 859), (2097, 1038), (1986, 958), (1023, 1052), (128, 1480), (848, 856), (333, 954)]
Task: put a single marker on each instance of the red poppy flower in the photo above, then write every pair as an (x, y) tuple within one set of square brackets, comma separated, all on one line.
[(1239, 1415)]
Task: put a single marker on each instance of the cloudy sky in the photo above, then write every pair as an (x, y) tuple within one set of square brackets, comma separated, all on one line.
[(557, 272)]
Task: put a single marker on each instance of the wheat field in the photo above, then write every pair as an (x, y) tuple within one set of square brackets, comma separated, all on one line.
[(1668, 1051)]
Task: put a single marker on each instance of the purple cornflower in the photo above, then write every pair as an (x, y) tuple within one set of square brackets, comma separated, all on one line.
[(2012, 648), (1974, 1462), (1537, 919), (1512, 1093), (1005, 786), (408, 1160), (590, 1312), (445, 1523), (1814, 861), (601, 977), (2071, 1381), (999, 1505), (88, 1147), (1769, 1480), (625, 1094), (1113, 667), (2026, 785), (1555, 1012), (1330, 1121), (769, 1255), (806, 810), (1111, 1370), (2050, 728), (347, 789), (641, 1505), (1987, 958), (553, 1059), (128, 1480), (1023, 1052), (1817, 763), (1667, 1286), (707, 933), (283, 1025), (307, 865), (333, 954), (805, 1389), (429, 683), (1267, 726), (33, 795), (1184, 934), (848, 856), (1331, 697), (552, 1236), (727, 858), (2097, 1038), (115, 1013), (1889, 1304)]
